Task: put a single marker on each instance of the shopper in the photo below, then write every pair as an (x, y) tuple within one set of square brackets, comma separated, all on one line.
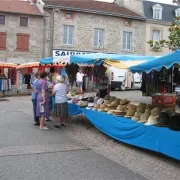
[(61, 107), (34, 92), (79, 79), (42, 106)]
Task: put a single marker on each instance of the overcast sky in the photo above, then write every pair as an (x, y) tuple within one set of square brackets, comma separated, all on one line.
[(162, 1)]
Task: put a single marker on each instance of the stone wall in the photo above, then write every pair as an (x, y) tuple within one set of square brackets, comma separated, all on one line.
[(35, 30), (84, 25)]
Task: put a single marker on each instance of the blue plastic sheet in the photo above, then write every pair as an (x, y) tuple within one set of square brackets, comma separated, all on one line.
[(166, 61), (158, 139), (98, 58), (73, 109)]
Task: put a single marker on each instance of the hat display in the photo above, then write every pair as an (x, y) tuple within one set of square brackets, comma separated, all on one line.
[(152, 120), (122, 108), (110, 111), (124, 102), (175, 122), (113, 98), (145, 116), (102, 106), (107, 97), (136, 116), (100, 101), (118, 113), (107, 102), (149, 107), (141, 108), (131, 111), (164, 119), (96, 106), (106, 109)]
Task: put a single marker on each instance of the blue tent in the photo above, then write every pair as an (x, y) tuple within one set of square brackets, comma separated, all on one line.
[(48, 60), (97, 58), (166, 61)]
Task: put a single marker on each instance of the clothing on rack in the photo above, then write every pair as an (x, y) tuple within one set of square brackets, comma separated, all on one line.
[(128, 79), (5, 84)]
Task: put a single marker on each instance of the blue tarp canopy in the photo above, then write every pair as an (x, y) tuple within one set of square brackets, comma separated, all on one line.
[(48, 60), (166, 61), (98, 58)]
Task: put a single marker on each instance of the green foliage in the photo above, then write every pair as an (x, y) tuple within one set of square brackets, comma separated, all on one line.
[(174, 38)]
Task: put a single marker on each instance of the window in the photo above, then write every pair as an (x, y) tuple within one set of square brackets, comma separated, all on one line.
[(68, 15), (2, 19), (156, 35), (23, 21), (2, 41), (157, 11), (22, 42), (99, 38), (177, 12), (127, 40), (68, 36)]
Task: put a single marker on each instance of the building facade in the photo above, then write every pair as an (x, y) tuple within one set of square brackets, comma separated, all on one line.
[(21, 32), (91, 26), (159, 19)]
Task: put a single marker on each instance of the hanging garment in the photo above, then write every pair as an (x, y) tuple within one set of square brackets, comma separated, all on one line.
[(129, 79)]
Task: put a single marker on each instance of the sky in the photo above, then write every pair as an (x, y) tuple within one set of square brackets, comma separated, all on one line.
[(162, 1)]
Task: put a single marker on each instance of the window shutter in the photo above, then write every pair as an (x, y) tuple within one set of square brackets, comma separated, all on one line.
[(124, 40), (70, 36), (19, 42), (96, 39), (101, 37), (26, 42), (2, 41), (65, 35)]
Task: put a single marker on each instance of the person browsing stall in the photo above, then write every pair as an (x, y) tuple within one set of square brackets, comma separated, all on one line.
[(61, 107), (42, 100), (34, 92), (79, 79)]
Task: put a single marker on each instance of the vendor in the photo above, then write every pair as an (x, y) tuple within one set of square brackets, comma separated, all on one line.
[(79, 79)]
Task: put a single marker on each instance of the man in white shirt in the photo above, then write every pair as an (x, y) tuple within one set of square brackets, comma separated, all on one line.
[(79, 79)]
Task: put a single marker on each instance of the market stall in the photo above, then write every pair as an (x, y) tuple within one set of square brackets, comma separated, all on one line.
[(7, 76), (159, 78), (133, 123)]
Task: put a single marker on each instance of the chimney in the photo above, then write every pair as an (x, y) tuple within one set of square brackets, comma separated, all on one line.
[(32, 2)]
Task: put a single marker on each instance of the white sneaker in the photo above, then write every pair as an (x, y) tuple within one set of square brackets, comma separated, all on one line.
[(44, 128)]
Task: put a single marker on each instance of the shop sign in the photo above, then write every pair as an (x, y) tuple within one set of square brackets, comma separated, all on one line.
[(59, 52)]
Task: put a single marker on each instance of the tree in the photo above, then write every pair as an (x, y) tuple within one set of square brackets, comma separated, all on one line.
[(176, 2), (174, 38)]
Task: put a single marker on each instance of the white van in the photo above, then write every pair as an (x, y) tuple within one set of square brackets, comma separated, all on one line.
[(117, 77)]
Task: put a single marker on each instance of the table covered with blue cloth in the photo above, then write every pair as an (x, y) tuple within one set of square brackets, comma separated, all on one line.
[(73, 109), (158, 139)]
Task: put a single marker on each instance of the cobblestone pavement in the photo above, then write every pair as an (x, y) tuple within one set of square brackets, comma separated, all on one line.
[(148, 164)]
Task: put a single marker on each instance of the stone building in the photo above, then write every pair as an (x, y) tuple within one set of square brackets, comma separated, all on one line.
[(21, 32), (74, 26)]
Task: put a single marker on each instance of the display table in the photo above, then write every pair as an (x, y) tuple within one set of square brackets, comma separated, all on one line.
[(158, 139)]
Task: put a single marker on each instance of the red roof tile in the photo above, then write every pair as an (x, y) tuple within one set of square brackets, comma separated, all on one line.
[(22, 7), (106, 7)]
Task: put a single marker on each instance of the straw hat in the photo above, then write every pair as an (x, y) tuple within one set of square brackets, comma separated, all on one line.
[(123, 102), (152, 120), (107, 102), (118, 113), (131, 111), (113, 98), (106, 109), (110, 111), (136, 116), (102, 106), (122, 108), (107, 97), (100, 110), (141, 108), (144, 117), (96, 106), (149, 106), (164, 118)]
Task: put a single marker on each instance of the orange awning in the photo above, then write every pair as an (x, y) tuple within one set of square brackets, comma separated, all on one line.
[(7, 65)]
